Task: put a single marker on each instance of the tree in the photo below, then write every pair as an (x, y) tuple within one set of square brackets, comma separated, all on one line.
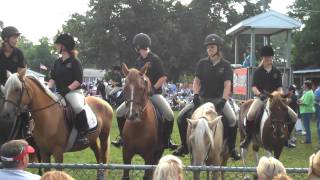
[(307, 42)]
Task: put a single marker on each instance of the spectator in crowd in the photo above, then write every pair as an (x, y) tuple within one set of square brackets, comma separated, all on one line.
[(246, 56), (270, 167), (15, 158), (293, 104), (314, 166), (169, 168), (101, 89), (56, 175), (306, 103), (282, 176), (317, 109)]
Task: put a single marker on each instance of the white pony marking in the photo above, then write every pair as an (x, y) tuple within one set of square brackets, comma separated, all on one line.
[(264, 118), (131, 99)]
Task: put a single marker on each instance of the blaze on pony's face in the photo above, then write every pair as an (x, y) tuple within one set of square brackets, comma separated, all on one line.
[(279, 115), (15, 99), (136, 89)]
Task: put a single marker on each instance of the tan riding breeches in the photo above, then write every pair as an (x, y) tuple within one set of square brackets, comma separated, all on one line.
[(76, 100), (159, 101), (258, 104)]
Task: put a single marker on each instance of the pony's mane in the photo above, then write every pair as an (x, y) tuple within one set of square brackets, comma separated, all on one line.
[(44, 88), (277, 99), (201, 129)]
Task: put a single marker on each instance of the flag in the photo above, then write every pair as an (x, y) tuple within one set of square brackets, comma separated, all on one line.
[(43, 67)]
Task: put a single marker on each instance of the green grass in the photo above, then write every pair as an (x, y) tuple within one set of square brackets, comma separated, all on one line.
[(297, 157)]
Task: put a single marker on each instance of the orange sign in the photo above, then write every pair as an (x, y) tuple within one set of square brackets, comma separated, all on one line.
[(240, 81)]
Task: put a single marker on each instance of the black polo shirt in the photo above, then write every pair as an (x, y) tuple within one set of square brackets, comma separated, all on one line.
[(66, 72), (155, 70), (212, 77), (267, 81), (12, 63)]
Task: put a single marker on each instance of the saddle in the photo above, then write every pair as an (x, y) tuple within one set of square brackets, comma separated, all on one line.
[(160, 122)]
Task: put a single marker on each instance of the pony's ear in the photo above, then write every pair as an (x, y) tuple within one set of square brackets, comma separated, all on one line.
[(145, 68), (21, 73), (8, 74), (214, 122), (124, 69), (192, 123)]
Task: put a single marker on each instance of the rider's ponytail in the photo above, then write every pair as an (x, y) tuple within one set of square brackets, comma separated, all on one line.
[(74, 53)]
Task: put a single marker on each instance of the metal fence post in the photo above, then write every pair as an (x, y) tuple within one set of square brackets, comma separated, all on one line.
[(100, 172)]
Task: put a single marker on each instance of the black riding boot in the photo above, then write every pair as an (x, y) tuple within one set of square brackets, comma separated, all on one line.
[(183, 148), (168, 143), (232, 143), (82, 127), (118, 142), (249, 129), (26, 131)]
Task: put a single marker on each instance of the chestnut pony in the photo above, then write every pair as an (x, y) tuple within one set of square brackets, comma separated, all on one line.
[(140, 131), (24, 93)]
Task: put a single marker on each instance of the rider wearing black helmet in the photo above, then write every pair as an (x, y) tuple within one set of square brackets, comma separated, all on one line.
[(67, 76), (266, 79), (12, 59), (212, 83), (157, 76)]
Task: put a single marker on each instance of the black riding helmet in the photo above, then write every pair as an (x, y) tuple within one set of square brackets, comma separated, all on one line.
[(8, 32), (213, 39), (66, 40), (141, 41), (293, 88), (266, 51)]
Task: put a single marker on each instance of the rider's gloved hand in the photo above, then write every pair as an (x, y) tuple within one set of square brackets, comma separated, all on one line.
[(196, 100), (52, 89), (262, 96), (153, 91), (64, 91), (220, 105)]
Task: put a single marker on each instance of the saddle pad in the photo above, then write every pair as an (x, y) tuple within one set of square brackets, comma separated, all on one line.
[(263, 120), (91, 117)]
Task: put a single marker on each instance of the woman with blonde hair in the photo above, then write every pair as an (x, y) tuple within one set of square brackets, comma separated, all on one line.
[(282, 177), (56, 175), (169, 168), (270, 167), (314, 166)]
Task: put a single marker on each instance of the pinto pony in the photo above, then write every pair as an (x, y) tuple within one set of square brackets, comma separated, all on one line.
[(271, 130), (140, 131), (51, 132), (205, 139)]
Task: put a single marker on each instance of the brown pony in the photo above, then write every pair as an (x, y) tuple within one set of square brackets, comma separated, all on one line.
[(51, 132), (272, 131), (140, 131)]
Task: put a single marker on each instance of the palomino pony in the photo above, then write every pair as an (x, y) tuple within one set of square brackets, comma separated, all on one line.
[(51, 132), (205, 139), (140, 131), (272, 131)]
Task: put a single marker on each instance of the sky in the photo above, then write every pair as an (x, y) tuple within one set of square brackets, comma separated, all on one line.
[(39, 18)]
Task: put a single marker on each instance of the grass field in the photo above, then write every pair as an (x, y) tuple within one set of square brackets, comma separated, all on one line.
[(297, 157)]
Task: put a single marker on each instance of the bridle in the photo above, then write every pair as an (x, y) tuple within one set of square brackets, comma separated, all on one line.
[(275, 122), (142, 107), (19, 109), (209, 148)]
